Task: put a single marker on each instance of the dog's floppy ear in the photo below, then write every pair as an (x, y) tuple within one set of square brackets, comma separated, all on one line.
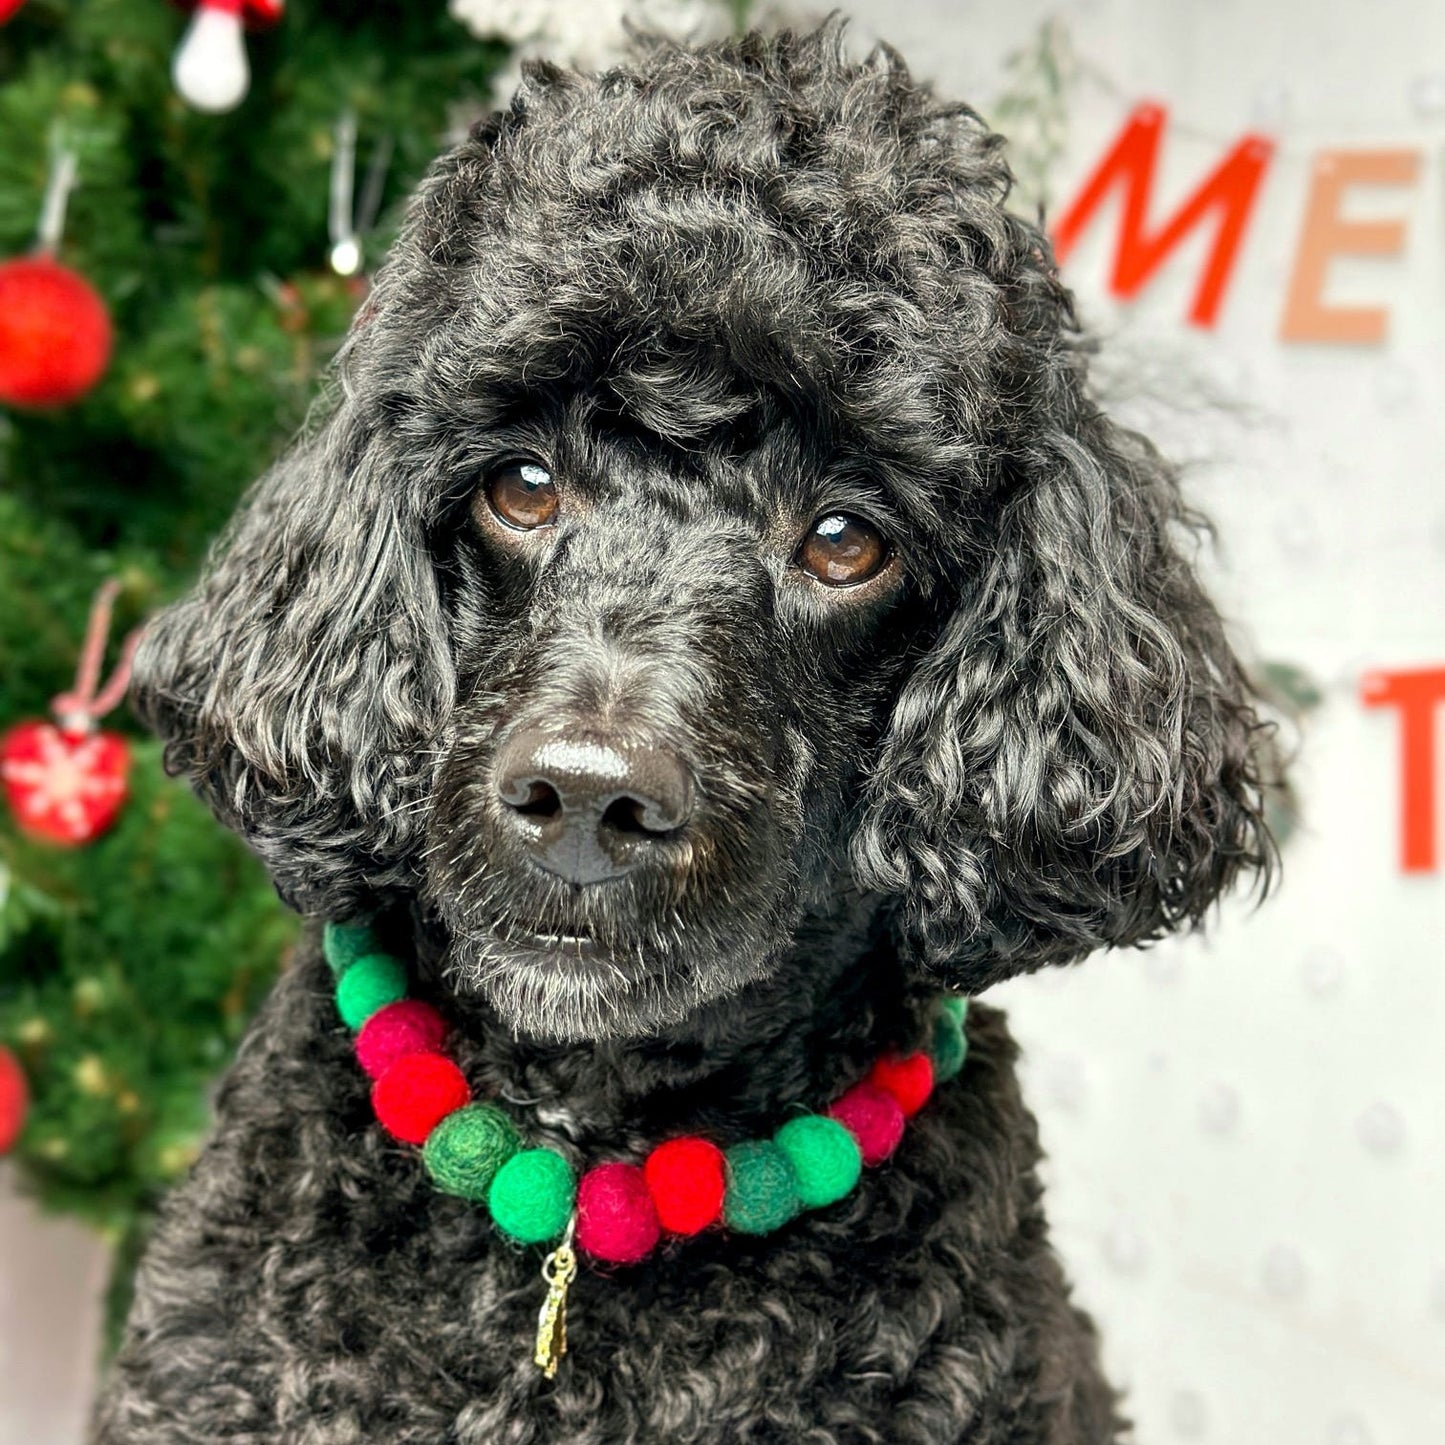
[(299, 685), (1077, 762)]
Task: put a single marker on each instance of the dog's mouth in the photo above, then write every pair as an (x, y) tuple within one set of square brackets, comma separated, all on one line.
[(561, 980), (566, 953), (569, 980), (576, 942)]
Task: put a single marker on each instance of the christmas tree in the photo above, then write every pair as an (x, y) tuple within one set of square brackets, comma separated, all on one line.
[(222, 251)]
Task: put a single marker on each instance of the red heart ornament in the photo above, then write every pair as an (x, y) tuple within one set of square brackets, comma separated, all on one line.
[(63, 785)]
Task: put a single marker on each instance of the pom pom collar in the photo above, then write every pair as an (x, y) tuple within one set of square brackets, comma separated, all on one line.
[(618, 1212)]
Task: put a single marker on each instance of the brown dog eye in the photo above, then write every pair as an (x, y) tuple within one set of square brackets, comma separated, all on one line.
[(842, 550), (523, 495)]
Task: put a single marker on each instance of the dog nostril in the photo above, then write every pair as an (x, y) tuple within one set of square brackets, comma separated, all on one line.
[(634, 815), (541, 801), (658, 797), (624, 815)]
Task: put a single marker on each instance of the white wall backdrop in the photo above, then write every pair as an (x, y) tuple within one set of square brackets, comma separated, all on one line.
[(1246, 1131)]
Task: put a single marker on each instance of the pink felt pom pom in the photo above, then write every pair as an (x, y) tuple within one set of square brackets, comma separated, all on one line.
[(873, 1117), (616, 1218), (407, 1026)]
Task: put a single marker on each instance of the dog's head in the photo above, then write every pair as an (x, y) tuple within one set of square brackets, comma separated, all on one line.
[(712, 519)]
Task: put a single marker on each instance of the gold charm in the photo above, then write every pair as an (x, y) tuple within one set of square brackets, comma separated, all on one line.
[(559, 1269)]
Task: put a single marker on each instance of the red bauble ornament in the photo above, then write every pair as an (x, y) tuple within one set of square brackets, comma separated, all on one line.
[(54, 333), (909, 1080), (63, 785), (685, 1177), (14, 1099), (416, 1093), (616, 1218), (8, 8)]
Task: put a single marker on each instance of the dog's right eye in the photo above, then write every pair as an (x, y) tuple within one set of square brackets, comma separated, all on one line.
[(842, 550), (522, 495)]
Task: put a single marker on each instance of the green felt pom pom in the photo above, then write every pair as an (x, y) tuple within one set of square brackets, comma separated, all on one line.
[(950, 1047), (373, 980), (463, 1153), (825, 1158), (957, 1009), (532, 1196), (343, 943), (762, 1189)]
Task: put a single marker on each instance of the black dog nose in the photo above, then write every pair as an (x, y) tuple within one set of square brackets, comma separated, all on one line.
[(590, 807)]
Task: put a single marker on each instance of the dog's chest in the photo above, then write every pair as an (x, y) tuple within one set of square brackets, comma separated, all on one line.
[(422, 1328), (309, 1285)]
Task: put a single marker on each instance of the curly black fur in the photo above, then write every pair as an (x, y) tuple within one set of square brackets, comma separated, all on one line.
[(721, 292)]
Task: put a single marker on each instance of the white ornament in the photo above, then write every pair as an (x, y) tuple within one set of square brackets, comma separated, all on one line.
[(1324, 970), (1396, 387), (1427, 95), (1381, 1129), (210, 70), (1187, 1414), (1163, 964), (1272, 106), (587, 34), (1124, 1248), (1348, 1430), (1067, 1087), (1219, 1109), (1283, 1272)]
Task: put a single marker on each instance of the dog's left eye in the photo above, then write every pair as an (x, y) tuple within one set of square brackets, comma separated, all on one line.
[(841, 550), (522, 494)]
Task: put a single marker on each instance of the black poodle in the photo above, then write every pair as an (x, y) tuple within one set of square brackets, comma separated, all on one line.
[(712, 620)]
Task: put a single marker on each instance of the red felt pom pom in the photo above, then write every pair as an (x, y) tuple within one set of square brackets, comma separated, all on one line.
[(873, 1117), (14, 1099), (416, 1093), (66, 787), (686, 1180), (407, 1026), (54, 333), (909, 1080), (616, 1218)]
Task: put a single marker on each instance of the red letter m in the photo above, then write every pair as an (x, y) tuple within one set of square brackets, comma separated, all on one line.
[(1230, 191)]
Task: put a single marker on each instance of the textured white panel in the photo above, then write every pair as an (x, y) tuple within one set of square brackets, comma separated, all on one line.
[(1246, 1131)]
